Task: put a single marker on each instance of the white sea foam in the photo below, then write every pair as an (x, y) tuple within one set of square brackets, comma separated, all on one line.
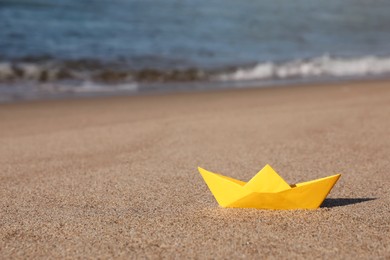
[(321, 66), (89, 86)]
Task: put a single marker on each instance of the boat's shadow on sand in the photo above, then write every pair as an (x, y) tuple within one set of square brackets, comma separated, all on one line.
[(338, 202)]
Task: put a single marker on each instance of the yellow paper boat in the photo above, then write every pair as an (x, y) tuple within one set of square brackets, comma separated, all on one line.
[(267, 190)]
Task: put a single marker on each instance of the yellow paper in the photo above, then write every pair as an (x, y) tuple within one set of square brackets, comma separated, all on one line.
[(267, 190)]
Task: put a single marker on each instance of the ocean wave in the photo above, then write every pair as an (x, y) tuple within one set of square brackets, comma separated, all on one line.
[(321, 66), (80, 71), (91, 70)]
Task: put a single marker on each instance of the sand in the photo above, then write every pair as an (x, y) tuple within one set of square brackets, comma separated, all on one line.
[(117, 177)]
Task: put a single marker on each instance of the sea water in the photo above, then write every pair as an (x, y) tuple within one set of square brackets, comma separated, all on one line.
[(52, 47)]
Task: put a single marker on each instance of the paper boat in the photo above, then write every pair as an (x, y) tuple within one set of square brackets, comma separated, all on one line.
[(267, 190)]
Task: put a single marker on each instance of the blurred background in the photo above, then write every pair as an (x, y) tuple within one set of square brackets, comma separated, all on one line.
[(52, 48)]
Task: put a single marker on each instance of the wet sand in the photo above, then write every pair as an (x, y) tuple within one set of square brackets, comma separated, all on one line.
[(117, 177)]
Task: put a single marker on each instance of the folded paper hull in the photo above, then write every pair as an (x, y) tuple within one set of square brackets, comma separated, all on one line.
[(237, 194)]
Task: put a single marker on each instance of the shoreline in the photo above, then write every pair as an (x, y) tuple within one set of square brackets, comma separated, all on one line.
[(114, 177), (191, 87)]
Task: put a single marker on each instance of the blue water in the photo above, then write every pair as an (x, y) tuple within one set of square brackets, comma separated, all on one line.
[(212, 38)]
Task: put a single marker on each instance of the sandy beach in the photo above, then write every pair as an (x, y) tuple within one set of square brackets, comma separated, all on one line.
[(116, 177)]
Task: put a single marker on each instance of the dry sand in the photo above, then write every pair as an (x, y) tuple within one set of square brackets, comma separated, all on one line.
[(117, 177)]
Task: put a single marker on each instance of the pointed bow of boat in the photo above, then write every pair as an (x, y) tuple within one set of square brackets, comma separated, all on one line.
[(225, 190)]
